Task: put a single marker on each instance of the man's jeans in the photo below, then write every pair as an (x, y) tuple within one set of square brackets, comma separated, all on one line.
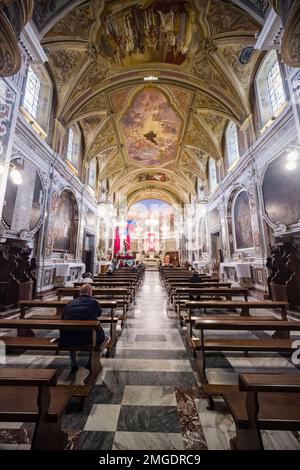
[(73, 358), (100, 338)]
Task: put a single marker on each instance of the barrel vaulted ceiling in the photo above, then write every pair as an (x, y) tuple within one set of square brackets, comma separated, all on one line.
[(158, 135)]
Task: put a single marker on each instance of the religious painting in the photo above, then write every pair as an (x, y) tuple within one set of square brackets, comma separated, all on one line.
[(161, 177), (242, 222), (157, 31), (214, 217), (102, 236), (64, 226), (151, 128), (27, 198), (48, 277), (281, 192)]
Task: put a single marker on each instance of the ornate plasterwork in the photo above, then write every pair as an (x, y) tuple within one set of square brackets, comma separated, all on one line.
[(243, 72), (75, 25), (63, 63), (191, 163), (98, 103), (92, 75), (224, 18), (206, 101), (216, 123), (97, 72), (89, 126), (198, 137), (105, 138)]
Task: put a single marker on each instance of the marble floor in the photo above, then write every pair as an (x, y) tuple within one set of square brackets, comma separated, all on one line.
[(148, 395)]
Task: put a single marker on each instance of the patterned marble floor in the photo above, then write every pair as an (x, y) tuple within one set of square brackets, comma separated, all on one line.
[(147, 396)]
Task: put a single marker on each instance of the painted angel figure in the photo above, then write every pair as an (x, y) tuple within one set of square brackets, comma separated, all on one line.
[(167, 25), (128, 35)]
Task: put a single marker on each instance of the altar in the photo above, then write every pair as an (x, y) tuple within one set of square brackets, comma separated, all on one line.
[(237, 272), (151, 264), (67, 272)]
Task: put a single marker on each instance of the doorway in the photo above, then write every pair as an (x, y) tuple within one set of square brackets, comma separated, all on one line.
[(88, 251)]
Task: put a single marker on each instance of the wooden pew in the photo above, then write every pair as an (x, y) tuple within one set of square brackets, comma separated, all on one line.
[(279, 343), (59, 305), (231, 305), (183, 295), (52, 344), (171, 289), (118, 294), (263, 401), (98, 284), (32, 396)]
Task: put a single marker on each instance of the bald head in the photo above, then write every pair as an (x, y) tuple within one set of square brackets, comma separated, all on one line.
[(86, 289)]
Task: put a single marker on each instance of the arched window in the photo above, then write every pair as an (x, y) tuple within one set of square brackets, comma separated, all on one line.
[(212, 173), (232, 144), (70, 145), (275, 87), (270, 93), (73, 146), (36, 104), (93, 173), (32, 93)]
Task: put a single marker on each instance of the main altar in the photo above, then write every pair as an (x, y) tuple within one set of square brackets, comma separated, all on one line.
[(151, 262)]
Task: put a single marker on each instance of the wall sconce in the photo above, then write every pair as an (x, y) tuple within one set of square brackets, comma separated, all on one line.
[(14, 173)]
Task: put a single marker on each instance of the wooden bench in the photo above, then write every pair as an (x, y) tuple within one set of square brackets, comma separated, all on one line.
[(277, 343), (32, 396), (59, 305), (183, 294), (131, 286), (171, 288), (263, 401), (119, 294), (52, 344)]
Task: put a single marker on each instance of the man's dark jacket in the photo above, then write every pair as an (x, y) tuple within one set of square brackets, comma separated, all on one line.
[(81, 308)]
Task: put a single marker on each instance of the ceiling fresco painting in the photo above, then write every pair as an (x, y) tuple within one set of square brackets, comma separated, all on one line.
[(161, 177), (200, 53), (151, 128), (159, 31)]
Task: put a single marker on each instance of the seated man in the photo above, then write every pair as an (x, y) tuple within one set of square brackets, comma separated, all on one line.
[(83, 307), (195, 277)]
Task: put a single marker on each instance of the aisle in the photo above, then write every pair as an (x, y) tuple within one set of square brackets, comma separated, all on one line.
[(139, 402)]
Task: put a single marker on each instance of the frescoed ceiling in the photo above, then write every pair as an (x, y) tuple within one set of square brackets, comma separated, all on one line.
[(158, 133)]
